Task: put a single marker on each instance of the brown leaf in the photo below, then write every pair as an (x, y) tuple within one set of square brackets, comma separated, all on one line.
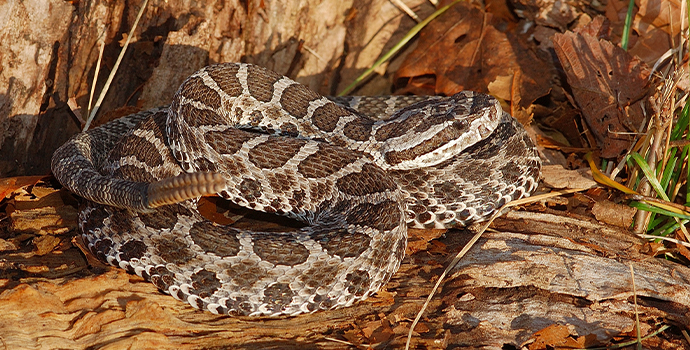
[(463, 50), (11, 184), (656, 25), (353, 336), (436, 247), (378, 331), (653, 249), (608, 86), (550, 13), (556, 336), (414, 246), (556, 176), (683, 250), (613, 214), (421, 327), (662, 14), (598, 27), (383, 297)]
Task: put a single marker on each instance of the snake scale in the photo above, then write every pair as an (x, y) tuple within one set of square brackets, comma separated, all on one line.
[(358, 171)]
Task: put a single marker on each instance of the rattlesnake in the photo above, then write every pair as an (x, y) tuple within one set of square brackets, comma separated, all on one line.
[(358, 171)]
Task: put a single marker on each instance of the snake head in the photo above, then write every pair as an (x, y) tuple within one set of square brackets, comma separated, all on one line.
[(430, 132)]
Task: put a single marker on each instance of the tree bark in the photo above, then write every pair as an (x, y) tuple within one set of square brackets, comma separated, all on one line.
[(51, 48)]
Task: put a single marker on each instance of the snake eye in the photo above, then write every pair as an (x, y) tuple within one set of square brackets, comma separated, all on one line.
[(458, 112), (462, 124)]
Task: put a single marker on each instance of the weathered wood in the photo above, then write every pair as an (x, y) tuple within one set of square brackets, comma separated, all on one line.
[(50, 50), (539, 270)]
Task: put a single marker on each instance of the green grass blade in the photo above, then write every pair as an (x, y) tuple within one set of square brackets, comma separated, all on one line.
[(653, 209), (654, 227), (649, 174), (671, 227), (628, 24), (682, 123), (397, 47), (668, 171)]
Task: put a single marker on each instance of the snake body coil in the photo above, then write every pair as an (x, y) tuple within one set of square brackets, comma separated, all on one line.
[(358, 171)]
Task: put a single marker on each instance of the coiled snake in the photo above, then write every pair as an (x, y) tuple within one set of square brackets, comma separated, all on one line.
[(358, 171)]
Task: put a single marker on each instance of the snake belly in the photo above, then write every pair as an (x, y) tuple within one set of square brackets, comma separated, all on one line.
[(357, 171)]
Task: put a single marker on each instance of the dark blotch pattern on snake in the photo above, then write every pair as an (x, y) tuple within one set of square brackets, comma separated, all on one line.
[(358, 171)]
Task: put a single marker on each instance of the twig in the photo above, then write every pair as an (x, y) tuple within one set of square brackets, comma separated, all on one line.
[(397, 47), (676, 241), (401, 5), (471, 243), (311, 51), (685, 334), (622, 345), (115, 67), (96, 72), (345, 342), (637, 313)]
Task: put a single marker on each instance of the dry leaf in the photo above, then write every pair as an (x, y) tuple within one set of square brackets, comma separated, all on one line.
[(378, 331), (613, 214), (383, 296), (656, 25), (551, 13), (661, 14), (683, 250), (556, 176), (436, 247), (421, 327), (653, 248), (11, 184), (608, 86), (209, 209), (482, 55), (353, 336), (556, 336)]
